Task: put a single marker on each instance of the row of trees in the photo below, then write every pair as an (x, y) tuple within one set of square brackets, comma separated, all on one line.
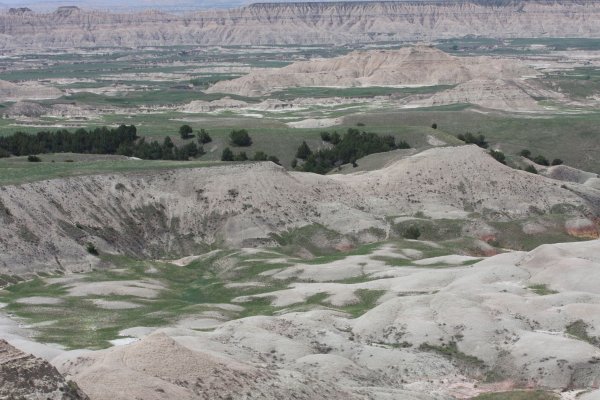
[(228, 155), (346, 149), (539, 159), (96, 141), (122, 141)]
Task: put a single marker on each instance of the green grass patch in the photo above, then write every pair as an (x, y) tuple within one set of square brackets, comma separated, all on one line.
[(518, 395), (579, 329), (541, 289)]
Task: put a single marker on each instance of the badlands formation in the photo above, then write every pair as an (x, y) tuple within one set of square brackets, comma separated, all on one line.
[(302, 23), (409, 66), (404, 319), (153, 213)]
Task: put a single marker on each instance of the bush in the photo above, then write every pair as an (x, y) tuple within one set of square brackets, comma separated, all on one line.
[(4, 153), (260, 156), (326, 136), (227, 154), (91, 249), (204, 137), (294, 163), (185, 131), (525, 153), (33, 159), (412, 232), (469, 138), (434, 126), (557, 161), (335, 138), (531, 169), (303, 151), (240, 138), (241, 156), (498, 156), (274, 159), (541, 160)]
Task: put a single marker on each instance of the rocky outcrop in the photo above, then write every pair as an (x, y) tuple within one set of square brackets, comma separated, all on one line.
[(23, 376), (303, 23)]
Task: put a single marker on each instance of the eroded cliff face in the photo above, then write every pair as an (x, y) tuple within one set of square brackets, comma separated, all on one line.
[(303, 23)]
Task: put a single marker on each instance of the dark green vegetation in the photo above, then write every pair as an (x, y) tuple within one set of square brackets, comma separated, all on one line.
[(469, 138), (579, 329), (347, 149), (122, 141)]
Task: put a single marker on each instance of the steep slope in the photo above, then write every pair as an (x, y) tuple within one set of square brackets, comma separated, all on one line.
[(46, 225), (26, 91), (304, 23), (24, 376), (419, 65)]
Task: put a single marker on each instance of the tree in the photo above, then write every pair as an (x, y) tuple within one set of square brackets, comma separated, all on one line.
[(240, 138), (241, 156), (294, 163), (469, 138), (412, 232), (525, 153), (434, 126), (498, 156), (260, 156), (227, 154), (557, 161), (531, 169), (33, 159), (204, 137), (541, 160), (185, 131), (274, 159), (326, 136), (303, 151), (335, 138)]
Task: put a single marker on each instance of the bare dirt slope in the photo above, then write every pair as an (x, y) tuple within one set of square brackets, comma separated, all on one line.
[(419, 65), (46, 225), (23, 376), (302, 23), (516, 320)]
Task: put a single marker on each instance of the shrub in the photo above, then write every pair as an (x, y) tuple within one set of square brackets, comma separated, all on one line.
[(498, 156), (185, 131), (204, 137), (360, 124), (33, 159), (91, 249), (557, 161), (294, 163), (240, 138), (335, 138), (274, 159), (434, 126), (4, 153), (260, 156), (241, 156), (412, 232), (303, 151), (326, 136), (541, 160), (531, 169), (227, 154), (525, 153), (469, 138)]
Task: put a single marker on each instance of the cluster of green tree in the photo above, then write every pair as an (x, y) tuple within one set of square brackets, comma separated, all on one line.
[(186, 132), (160, 151), (228, 155), (539, 159), (469, 138), (347, 149), (240, 138), (96, 141), (122, 140)]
